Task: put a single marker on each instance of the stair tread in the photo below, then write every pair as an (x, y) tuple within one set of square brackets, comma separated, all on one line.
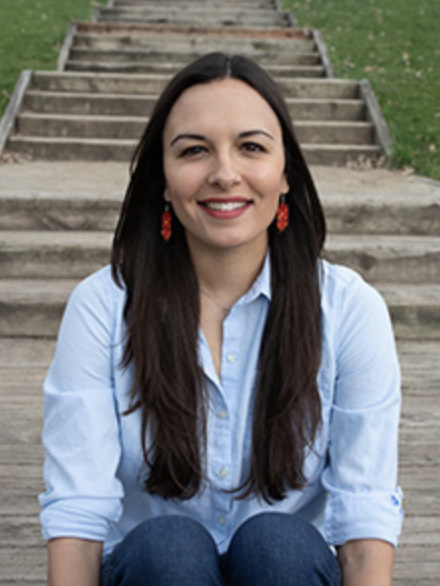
[(153, 97), (381, 243), (23, 290), (120, 118)]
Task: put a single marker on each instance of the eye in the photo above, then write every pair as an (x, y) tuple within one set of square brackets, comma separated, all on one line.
[(192, 151), (253, 147)]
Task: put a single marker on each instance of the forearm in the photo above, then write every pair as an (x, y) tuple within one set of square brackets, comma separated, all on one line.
[(74, 562), (366, 562)]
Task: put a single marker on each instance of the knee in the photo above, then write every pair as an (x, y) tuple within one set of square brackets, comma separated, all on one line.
[(278, 542), (164, 546), (278, 530)]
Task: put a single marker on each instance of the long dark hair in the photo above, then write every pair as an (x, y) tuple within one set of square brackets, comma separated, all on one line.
[(162, 314)]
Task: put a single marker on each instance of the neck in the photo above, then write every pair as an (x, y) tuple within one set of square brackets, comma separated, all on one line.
[(227, 274)]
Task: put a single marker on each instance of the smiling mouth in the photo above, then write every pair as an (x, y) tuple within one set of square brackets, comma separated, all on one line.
[(225, 206)]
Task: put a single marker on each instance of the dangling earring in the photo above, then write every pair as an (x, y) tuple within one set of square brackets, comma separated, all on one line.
[(166, 229), (282, 214)]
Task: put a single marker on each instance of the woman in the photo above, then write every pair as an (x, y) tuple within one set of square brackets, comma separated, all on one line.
[(223, 405)]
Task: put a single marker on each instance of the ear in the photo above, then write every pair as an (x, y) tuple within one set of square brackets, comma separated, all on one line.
[(284, 184), (166, 195)]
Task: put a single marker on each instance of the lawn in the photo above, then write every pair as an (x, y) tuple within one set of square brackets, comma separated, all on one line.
[(395, 44), (31, 35)]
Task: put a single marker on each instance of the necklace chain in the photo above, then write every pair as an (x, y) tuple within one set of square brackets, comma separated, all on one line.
[(219, 305)]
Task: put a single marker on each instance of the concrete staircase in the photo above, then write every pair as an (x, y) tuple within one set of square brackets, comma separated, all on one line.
[(111, 70), (50, 238)]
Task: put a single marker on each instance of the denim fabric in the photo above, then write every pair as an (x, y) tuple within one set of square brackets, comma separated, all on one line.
[(269, 549)]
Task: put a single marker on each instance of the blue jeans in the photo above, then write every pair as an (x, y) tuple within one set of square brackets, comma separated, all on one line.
[(270, 549)]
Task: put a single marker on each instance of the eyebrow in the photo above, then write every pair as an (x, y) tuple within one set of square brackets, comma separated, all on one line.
[(244, 134)]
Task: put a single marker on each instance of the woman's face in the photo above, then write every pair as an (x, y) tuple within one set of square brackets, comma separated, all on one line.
[(224, 165)]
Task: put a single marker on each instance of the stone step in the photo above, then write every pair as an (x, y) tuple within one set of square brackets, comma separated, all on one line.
[(126, 128), (71, 254), (25, 210), (245, 4), (197, 10), (192, 5), (146, 41), (151, 84), (48, 105), (88, 149), (300, 57), (133, 106), (187, 18), (33, 308), (171, 68)]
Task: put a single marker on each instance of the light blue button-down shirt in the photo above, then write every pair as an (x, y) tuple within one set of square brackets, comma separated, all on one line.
[(94, 467)]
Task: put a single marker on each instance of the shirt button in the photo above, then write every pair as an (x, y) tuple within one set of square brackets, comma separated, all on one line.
[(223, 473), (223, 414), (222, 520), (232, 357)]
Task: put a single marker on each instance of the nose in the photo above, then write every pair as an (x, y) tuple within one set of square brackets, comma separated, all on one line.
[(224, 173)]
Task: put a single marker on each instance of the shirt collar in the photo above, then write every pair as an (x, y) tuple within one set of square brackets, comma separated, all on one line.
[(261, 286)]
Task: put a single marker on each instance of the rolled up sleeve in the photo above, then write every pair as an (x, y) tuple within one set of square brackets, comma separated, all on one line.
[(81, 435), (361, 475)]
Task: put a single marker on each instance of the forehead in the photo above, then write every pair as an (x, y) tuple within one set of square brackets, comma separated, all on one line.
[(221, 104)]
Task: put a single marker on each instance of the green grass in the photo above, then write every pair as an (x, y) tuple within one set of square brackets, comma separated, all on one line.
[(395, 44), (31, 35)]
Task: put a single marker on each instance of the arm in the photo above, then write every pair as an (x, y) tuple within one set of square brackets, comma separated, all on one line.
[(366, 562), (74, 562), (360, 476), (81, 439)]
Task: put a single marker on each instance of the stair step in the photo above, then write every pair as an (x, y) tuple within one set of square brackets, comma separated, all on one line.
[(392, 259), (145, 84), (48, 106), (126, 128), (34, 308), (174, 13), (25, 211), (180, 44), (88, 149), (65, 254), (171, 69), (188, 3), (254, 19), (145, 55)]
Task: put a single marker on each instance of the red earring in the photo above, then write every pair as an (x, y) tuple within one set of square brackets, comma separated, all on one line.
[(282, 214), (166, 229)]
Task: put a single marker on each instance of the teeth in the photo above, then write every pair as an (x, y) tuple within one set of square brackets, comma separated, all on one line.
[(225, 207)]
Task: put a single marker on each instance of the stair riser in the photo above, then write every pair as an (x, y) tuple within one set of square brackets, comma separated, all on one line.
[(70, 261), (392, 269), (101, 67), (85, 152), (244, 4), (190, 7), (246, 19), (180, 46), (133, 130), (153, 57), (43, 320), (32, 320), (196, 11), (101, 106), (54, 214), (97, 215), (153, 85)]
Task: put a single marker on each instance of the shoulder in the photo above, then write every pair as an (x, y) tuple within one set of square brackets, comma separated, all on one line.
[(96, 303), (354, 313), (99, 288), (343, 289)]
